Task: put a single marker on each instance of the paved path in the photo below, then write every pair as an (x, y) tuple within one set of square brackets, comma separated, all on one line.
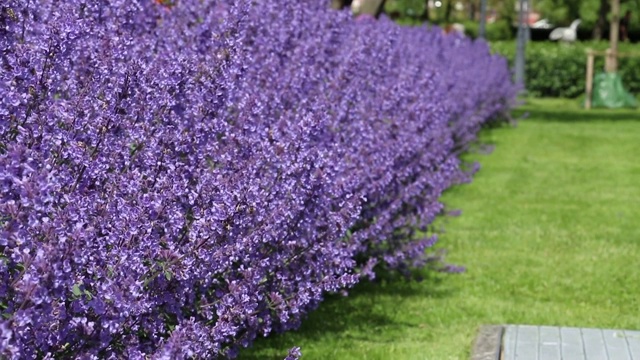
[(523, 342)]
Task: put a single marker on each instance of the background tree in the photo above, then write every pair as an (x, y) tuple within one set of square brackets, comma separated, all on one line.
[(593, 13), (447, 11), (424, 17), (560, 11), (601, 23)]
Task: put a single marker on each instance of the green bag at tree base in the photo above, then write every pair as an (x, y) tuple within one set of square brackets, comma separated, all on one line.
[(608, 92)]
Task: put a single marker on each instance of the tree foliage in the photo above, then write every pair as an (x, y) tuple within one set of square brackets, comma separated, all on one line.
[(593, 13)]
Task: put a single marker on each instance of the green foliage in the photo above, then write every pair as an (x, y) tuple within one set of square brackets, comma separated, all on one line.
[(559, 12), (559, 70), (471, 29), (588, 13), (405, 8), (506, 10), (564, 11), (497, 31)]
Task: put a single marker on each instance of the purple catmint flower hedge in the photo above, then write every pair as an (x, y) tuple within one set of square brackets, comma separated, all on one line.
[(178, 178)]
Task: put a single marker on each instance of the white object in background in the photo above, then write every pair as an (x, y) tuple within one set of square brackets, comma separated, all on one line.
[(370, 7), (458, 27), (566, 34), (542, 24)]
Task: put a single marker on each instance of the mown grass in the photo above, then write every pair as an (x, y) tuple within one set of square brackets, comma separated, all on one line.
[(550, 234)]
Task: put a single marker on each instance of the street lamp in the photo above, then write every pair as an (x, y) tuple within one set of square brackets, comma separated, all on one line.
[(483, 19), (522, 43)]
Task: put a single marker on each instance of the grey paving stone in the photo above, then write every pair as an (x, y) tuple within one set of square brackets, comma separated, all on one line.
[(549, 347), (633, 340), (509, 341), (527, 343), (594, 346), (572, 346), (616, 342)]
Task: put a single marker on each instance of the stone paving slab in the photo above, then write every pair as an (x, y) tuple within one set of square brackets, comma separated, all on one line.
[(524, 342), (488, 343)]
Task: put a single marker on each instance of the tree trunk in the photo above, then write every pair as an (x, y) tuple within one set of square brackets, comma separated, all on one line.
[(425, 15), (380, 8), (602, 20), (447, 11), (472, 11)]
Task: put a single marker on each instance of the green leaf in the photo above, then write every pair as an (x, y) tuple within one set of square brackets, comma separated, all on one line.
[(76, 290)]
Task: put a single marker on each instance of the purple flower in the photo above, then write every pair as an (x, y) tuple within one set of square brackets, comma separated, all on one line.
[(176, 181), (294, 353)]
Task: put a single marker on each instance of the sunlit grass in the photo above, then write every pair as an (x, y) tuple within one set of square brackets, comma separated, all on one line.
[(550, 234)]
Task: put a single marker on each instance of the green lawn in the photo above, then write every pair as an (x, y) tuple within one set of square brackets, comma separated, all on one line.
[(549, 232)]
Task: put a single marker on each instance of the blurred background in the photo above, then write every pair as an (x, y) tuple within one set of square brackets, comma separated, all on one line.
[(502, 16), (553, 68)]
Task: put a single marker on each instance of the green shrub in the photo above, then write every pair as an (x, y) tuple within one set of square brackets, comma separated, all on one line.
[(471, 28), (559, 70), (497, 31)]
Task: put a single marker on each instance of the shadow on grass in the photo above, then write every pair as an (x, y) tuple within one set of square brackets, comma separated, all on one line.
[(584, 115), (571, 110), (372, 307)]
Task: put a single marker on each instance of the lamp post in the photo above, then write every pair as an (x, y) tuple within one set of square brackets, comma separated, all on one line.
[(521, 43), (483, 19)]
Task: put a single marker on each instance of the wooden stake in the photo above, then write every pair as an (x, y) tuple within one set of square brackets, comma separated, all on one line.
[(589, 83)]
